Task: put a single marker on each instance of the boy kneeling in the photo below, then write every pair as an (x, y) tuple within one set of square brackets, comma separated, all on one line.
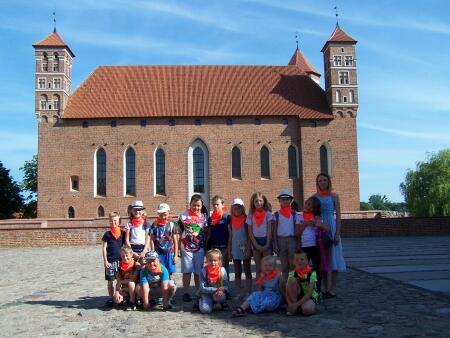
[(155, 276), (301, 293)]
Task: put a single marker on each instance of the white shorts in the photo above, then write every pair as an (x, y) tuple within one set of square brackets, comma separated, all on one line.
[(192, 261)]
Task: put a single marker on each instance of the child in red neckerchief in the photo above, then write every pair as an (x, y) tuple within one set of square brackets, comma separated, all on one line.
[(285, 242), (311, 232), (240, 247), (268, 297), (192, 223), (218, 233), (126, 279), (163, 238), (136, 229), (113, 239), (260, 223), (301, 293), (213, 283)]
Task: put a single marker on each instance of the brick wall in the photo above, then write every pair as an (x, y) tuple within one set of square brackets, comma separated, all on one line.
[(66, 149), (64, 232)]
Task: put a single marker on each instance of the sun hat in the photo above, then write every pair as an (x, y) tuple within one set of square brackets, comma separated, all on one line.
[(237, 201), (285, 193), (138, 205), (162, 208), (150, 255)]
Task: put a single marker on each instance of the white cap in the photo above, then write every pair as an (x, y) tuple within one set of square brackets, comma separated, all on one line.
[(285, 193), (138, 205), (163, 207), (238, 201)]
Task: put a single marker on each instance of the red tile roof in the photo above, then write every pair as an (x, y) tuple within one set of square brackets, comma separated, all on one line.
[(52, 40), (299, 60), (181, 91), (339, 36)]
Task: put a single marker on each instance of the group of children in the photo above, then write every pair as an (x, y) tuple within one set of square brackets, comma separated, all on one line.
[(142, 257)]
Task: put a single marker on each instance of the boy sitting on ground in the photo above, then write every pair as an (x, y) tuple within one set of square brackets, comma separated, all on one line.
[(126, 279), (154, 277)]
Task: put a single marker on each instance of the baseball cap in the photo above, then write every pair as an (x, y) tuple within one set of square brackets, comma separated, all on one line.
[(238, 201), (285, 193), (163, 207), (151, 255)]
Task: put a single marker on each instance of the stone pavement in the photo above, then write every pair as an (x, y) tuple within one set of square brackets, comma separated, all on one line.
[(60, 292)]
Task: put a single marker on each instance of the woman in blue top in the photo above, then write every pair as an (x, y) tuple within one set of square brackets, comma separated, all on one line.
[(331, 216)]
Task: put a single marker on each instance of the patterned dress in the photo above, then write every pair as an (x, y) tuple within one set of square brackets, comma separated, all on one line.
[(336, 261), (267, 300)]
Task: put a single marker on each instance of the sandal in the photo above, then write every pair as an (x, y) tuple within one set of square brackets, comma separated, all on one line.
[(238, 312), (167, 307)]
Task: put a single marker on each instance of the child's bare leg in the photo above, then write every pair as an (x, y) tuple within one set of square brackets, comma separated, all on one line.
[(291, 295), (257, 258), (165, 293), (186, 282), (308, 307), (334, 277), (237, 276), (285, 264), (144, 295), (131, 289), (248, 274), (196, 280), (172, 289), (110, 288)]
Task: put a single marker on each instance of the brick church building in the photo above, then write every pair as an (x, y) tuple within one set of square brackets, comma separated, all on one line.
[(162, 133)]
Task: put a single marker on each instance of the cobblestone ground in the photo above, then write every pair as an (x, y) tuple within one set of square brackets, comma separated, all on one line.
[(61, 292)]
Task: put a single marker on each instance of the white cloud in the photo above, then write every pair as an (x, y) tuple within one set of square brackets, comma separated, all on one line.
[(432, 136)]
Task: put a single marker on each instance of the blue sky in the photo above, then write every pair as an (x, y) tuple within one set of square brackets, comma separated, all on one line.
[(402, 52)]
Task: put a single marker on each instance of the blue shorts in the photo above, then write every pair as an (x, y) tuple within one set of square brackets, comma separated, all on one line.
[(166, 259)]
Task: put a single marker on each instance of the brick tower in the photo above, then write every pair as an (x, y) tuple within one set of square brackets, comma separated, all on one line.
[(53, 77), (341, 87)]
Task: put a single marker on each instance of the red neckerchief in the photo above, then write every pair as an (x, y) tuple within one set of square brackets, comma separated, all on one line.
[(126, 266), (259, 217), (308, 216), (115, 232), (216, 216), (156, 270), (213, 274), (161, 222), (264, 276), (303, 272), (194, 216), (286, 211), (237, 221), (137, 222), (324, 192)]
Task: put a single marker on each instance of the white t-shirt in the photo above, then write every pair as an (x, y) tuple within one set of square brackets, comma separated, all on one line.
[(137, 234), (286, 226), (308, 236), (260, 231)]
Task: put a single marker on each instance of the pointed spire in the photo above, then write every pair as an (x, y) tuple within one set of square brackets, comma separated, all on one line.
[(336, 13), (299, 60), (339, 35), (53, 40)]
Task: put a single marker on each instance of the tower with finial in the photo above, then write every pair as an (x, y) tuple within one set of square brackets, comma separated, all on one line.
[(52, 76), (340, 67), (299, 60)]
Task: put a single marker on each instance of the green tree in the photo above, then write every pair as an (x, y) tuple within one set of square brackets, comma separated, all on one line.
[(427, 189), (10, 199), (30, 185), (365, 206), (379, 202)]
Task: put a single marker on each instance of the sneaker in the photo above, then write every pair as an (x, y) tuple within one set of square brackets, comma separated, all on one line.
[(159, 301), (172, 301), (187, 298), (153, 302), (109, 303), (130, 306)]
